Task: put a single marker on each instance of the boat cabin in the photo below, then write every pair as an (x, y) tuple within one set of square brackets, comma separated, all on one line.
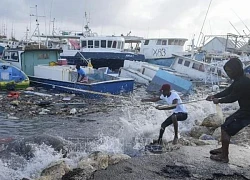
[(161, 47), (198, 70)]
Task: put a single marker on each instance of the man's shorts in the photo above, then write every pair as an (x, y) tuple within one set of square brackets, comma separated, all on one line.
[(237, 121), (180, 117)]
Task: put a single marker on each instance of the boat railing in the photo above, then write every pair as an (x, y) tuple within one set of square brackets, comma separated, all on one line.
[(88, 61)]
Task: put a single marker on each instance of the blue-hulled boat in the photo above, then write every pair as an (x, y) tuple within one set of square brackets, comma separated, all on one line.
[(12, 78), (41, 67), (103, 51)]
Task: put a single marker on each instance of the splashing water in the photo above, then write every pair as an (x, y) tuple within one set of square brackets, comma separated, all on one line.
[(44, 155), (135, 125)]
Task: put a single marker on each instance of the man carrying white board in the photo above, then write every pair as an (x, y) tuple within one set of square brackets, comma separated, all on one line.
[(179, 110)]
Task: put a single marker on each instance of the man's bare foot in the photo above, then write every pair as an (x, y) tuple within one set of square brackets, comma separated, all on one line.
[(175, 141), (216, 151), (156, 142), (219, 158)]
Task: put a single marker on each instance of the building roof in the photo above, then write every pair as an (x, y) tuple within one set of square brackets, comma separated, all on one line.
[(223, 41)]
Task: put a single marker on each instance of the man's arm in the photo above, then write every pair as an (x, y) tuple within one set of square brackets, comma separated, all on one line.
[(173, 106), (151, 99), (226, 92), (234, 95)]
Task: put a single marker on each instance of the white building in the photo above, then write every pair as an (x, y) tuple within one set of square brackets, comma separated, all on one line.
[(219, 45)]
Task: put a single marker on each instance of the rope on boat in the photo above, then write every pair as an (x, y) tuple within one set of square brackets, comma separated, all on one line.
[(84, 91)]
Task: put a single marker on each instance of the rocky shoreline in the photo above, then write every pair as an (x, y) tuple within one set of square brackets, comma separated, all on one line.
[(189, 159), (178, 162), (188, 162)]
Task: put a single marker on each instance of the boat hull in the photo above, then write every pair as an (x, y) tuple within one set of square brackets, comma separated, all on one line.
[(12, 78), (92, 90), (103, 59), (14, 86)]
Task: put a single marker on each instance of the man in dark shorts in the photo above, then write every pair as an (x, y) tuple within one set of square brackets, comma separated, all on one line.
[(239, 91), (179, 112)]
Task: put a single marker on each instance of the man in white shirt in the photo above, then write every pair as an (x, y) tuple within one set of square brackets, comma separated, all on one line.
[(179, 110)]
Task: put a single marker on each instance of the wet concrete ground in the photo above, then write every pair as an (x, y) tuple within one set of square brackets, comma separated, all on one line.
[(185, 163)]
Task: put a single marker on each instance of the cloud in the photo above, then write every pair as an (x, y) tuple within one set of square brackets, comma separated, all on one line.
[(154, 18)]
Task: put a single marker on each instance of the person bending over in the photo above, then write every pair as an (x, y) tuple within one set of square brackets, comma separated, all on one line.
[(239, 91), (179, 110)]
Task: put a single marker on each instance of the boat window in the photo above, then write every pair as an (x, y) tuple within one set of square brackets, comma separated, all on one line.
[(187, 63), (202, 68), (13, 56), (119, 45), (158, 42), (90, 44), (43, 56), (122, 45), (103, 43), (164, 42), (146, 42), (176, 42), (196, 66), (97, 44), (109, 44), (171, 42), (84, 44), (180, 61), (114, 44), (199, 67), (182, 42)]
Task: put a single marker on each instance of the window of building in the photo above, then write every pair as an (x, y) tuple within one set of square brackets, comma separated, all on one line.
[(90, 44), (187, 63), (146, 42), (43, 56), (114, 44), (103, 43), (180, 61), (84, 44), (109, 44), (97, 44)]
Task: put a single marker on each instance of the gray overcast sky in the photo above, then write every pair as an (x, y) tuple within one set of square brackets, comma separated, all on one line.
[(147, 18)]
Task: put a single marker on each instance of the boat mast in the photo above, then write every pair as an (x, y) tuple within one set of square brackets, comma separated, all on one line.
[(37, 28), (203, 23)]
